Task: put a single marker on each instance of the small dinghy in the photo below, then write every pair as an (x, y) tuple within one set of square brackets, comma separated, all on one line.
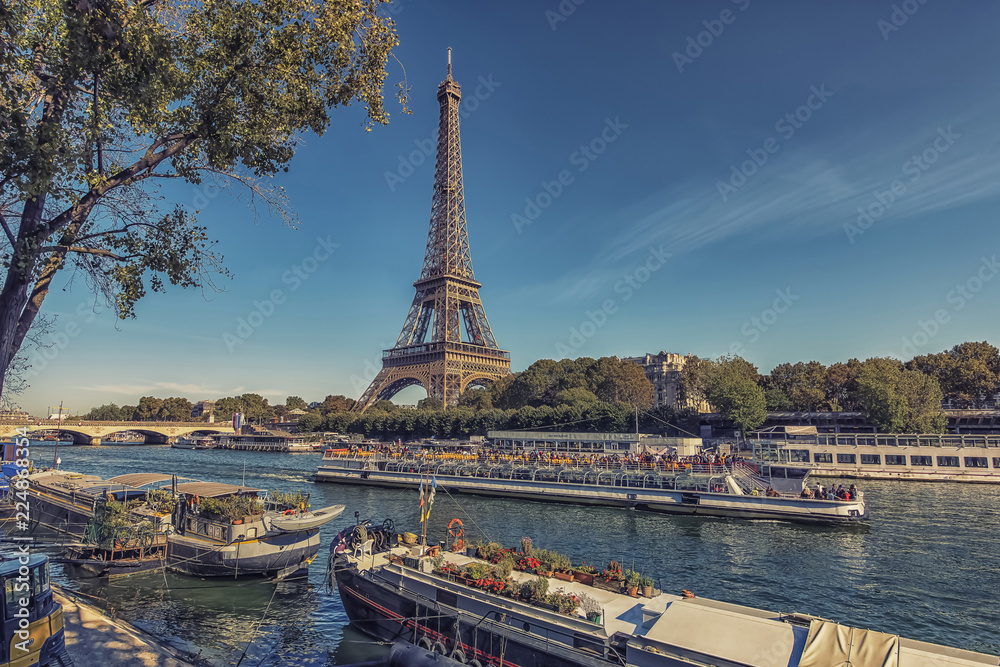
[(292, 521)]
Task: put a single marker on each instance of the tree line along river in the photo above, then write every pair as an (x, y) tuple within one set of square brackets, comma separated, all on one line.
[(926, 565)]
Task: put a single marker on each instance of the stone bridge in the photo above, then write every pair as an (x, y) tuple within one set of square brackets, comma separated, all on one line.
[(92, 432)]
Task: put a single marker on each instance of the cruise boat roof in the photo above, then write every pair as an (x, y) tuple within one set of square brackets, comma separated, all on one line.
[(212, 489)]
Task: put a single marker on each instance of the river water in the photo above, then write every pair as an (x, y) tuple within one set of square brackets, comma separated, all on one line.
[(926, 566)]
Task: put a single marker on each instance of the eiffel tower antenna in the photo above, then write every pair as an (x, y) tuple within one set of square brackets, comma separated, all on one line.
[(446, 343)]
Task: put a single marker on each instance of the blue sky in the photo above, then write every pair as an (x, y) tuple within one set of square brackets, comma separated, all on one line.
[(714, 157)]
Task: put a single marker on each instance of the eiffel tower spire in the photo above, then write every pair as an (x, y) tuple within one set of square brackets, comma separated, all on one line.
[(447, 294)]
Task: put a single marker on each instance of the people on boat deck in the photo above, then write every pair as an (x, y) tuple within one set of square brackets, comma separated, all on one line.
[(771, 493), (756, 491), (807, 492)]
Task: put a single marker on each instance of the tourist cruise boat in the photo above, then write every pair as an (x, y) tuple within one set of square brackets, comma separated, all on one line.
[(704, 490), (271, 538), (933, 458), (395, 593)]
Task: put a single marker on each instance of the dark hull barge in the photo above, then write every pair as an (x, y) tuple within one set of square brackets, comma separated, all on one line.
[(398, 596)]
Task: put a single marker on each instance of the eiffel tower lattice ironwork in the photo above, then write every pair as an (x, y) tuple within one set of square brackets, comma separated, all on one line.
[(461, 350)]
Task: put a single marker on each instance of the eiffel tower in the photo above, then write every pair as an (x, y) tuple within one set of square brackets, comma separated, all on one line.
[(447, 296)]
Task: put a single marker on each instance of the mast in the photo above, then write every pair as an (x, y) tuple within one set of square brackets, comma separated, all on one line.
[(55, 460)]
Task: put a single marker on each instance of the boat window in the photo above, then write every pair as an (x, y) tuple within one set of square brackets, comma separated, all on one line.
[(975, 462), (947, 461), (796, 473), (920, 461), (799, 455), (822, 458), (777, 472), (996, 461), (40, 579), (10, 596), (895, 460), (847, 458), (871, 459)]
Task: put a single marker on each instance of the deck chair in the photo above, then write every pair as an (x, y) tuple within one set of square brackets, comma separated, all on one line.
[(364, 548)]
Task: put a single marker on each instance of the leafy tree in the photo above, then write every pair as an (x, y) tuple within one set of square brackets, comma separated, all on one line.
[(384, 406), (693, 377), (577, 398), (841, 385), (338, 403), (310, 422), (176, 409), (899, 400), (296, 403), (974, 377), (149, 409), (338, 422), (803, 384), (476, 398), (430, 403), (731, 387), (102, 100), (254, 407), (776, 400), (106, 413)]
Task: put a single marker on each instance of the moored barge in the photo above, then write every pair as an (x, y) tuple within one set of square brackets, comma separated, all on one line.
[(264, 537), (704, 490), (395, 594)]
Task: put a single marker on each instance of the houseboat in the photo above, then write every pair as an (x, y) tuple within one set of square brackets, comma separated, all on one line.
[(211, 529), (443, 606), (773, 491), (930, 458)]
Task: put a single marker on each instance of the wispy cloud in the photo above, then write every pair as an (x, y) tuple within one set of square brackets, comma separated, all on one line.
[(815, 191), (190, 390)]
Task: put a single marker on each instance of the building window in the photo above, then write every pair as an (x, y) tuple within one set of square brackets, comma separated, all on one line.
[(895, 460), (847, 458), (828, 458), (871, 459), (975, 462), (920, 461), (947, 461)]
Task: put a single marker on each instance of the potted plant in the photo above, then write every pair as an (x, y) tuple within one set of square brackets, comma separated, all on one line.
[(647, 586), (585, 574), (539, 589), (562, 568), (590, 607), (632, 581)]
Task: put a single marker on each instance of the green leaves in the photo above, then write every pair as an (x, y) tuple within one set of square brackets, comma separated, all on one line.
[(99, 98)]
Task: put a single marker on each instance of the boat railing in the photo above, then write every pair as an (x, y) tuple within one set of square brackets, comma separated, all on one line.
[(748, 477)]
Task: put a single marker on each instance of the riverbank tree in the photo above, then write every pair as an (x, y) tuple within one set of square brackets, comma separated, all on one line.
[(103, 100)]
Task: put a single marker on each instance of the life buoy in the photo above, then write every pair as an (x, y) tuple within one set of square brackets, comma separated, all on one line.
[(425, 643), (287, 512), (455, 528), (440, 648)]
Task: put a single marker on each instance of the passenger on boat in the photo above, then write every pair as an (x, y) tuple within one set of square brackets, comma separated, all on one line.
[(771, 493), (807, 492), (756, 491), (853, 491)]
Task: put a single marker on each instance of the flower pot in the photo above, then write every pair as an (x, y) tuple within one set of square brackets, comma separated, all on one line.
[(647, 591), (613, 585), (594, 618), (563, 576), (584, 578), (634, 591), (471, 551)]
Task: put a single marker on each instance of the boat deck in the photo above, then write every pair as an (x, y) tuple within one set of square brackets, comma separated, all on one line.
[(700, 628)]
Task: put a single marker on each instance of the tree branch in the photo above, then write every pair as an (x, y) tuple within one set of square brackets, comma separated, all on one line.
[(10, 234), (100, 252)]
